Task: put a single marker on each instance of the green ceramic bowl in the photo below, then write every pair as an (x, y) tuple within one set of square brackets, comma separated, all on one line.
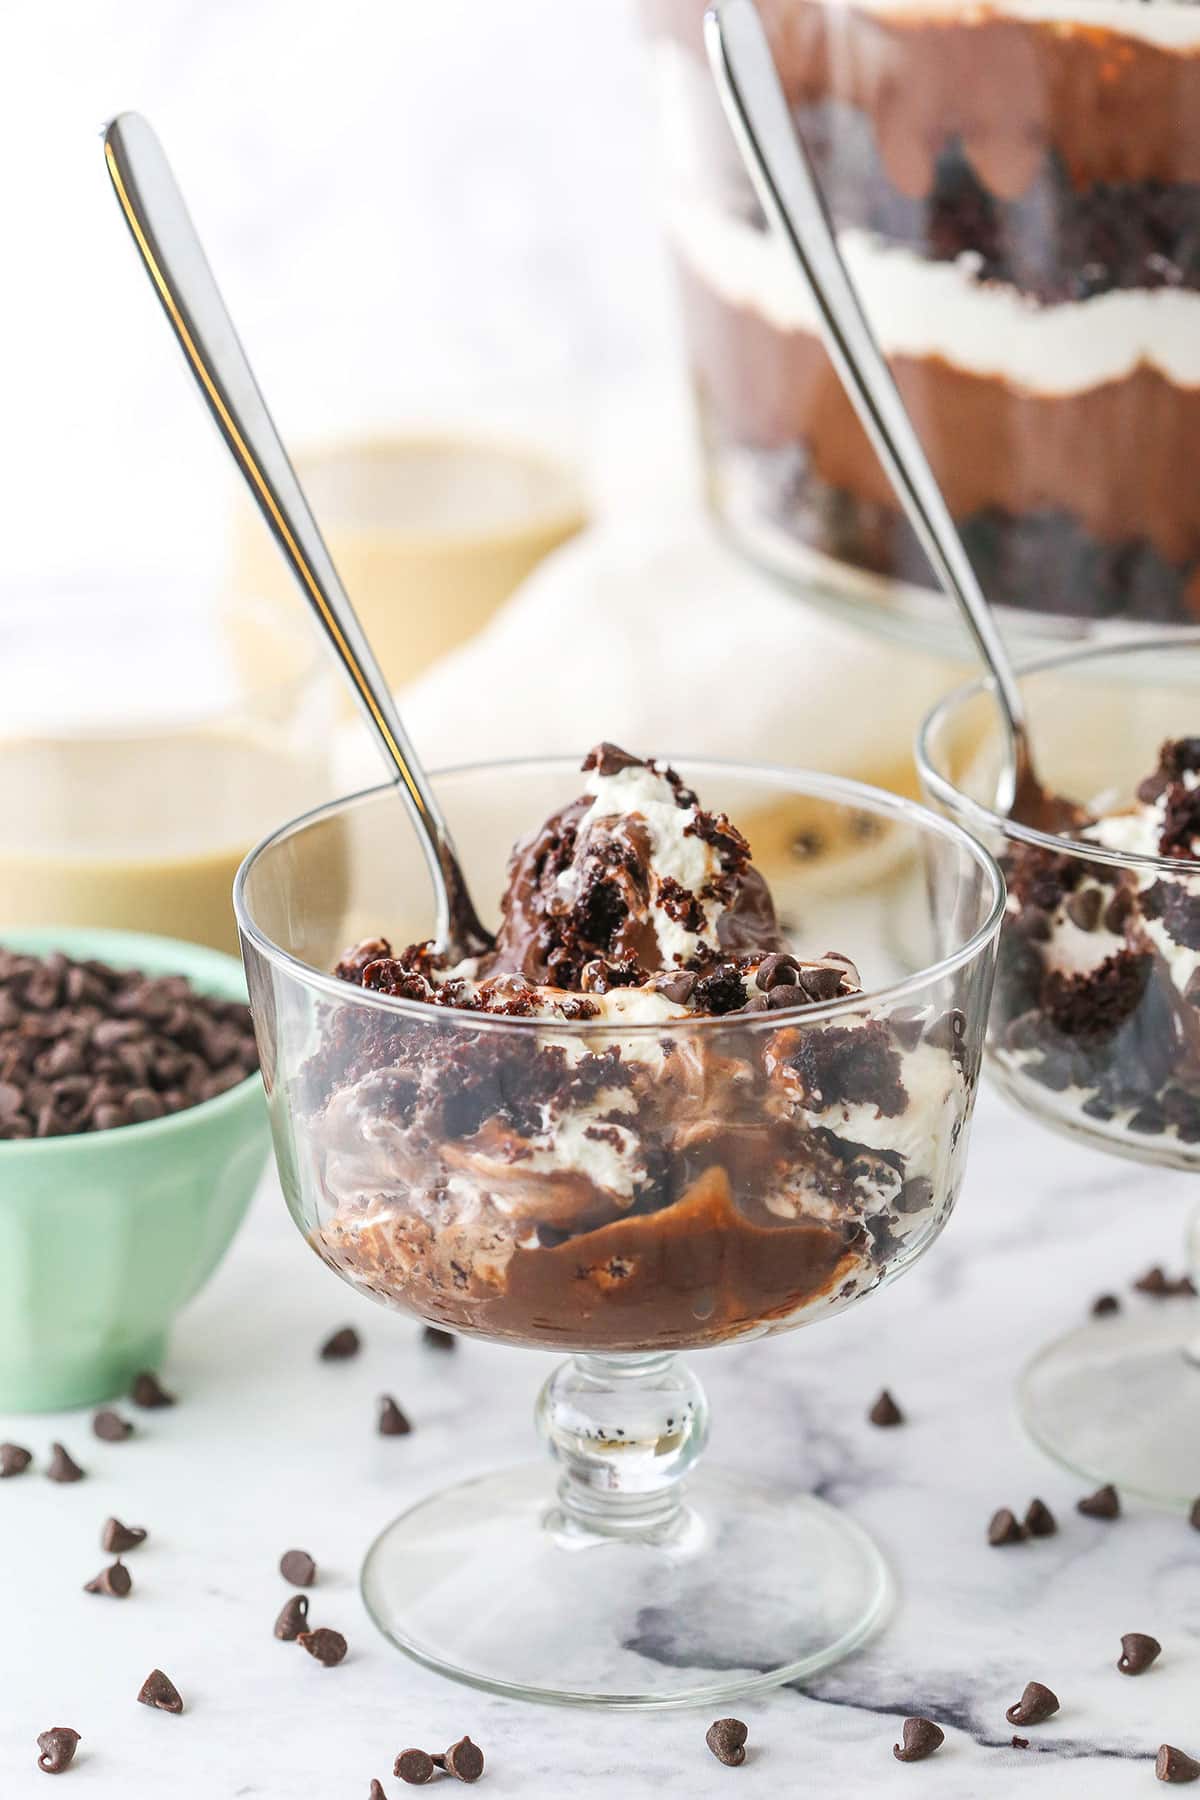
[(104, 1236)]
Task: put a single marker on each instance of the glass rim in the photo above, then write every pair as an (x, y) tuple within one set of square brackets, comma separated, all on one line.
[(835, 788), (985, 818)]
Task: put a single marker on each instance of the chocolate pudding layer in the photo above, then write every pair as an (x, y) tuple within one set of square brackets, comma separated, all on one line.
[(618, 1129), (1098, 985), (1018, 199)]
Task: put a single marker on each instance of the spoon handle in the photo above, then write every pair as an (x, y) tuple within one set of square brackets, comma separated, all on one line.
[(171, 250), (779, 167)]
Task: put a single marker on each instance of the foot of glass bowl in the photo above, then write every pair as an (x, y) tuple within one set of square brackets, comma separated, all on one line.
[(1119, 1400), (627, 1588)]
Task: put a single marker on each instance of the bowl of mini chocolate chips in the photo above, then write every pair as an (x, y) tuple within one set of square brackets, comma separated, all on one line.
[(132, 1136)]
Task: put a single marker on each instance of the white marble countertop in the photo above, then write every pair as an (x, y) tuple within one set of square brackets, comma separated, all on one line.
[(270, 1448)]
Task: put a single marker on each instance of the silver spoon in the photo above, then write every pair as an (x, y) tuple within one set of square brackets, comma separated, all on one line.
[(778, 165), (166, 239)]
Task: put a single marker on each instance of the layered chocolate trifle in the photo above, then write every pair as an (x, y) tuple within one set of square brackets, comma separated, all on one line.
[(1098, 987), (1017, 192), (639, 1119)]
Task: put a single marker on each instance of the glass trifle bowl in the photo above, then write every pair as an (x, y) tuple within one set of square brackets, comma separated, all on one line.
[(1095, 1023), (619, 1171)]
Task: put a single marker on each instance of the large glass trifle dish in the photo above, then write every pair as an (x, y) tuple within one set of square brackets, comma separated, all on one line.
[(1016, 189), (683, 1101)]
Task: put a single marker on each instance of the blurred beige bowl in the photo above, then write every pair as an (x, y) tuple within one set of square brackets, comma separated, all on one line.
[(430, 534)]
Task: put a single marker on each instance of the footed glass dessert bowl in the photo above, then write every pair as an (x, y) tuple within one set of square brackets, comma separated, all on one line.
[(661, 1113), (1095, 1024)]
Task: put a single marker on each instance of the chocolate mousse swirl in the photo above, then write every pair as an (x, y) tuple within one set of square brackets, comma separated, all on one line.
[(583, 1181)]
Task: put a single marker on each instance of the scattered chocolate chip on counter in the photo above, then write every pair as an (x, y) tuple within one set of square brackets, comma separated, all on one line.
[(919, 1738), (1037, 1703), (885, 1411), (15, 1459), (115, 1581), (1137, 1652), (62, 1465), (117, 1538), (1193, 1515), (726, 1738), (341, 1346), (148, 1391), (375, 1791), (1160, 1286), (1039, 1520), (464, 1760), (110, 1427), (293, 1618), (158, 1690), (416, 1767), (85, 1047), (1004, 1527), (1103, 1504), (1175, 1765), (1019, 1743), (298, 1567), (392, 1421), (1105, 1305), (56, 1749), (328, 1647), (434, 1338)]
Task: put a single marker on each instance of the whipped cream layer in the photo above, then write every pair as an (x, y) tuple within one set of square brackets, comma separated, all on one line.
[(920, 308)]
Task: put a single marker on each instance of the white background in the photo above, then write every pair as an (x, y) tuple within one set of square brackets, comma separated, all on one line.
[(404, 204)]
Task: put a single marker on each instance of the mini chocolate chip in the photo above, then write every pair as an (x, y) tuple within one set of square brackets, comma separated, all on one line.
[(115, 1581), (111, 1427), (1137, 1652), (726, 1738), (1039, 1520), (820, 984), (1175, 1765), (148, 1391), (1083, 909), (777, 969), (885, 1411), (434, 1338), (293, 1618), (329, 1647), (464, 1760), (677, 988), (62, 1466), (298, 1567), (414, 1766), (915, 1195), (1103, 1504), (57, 1749), (921, 1737), (1193, 1515), (117, 1538), (392, 1422), (785, 995), (610, 759), (1037, 1703), (375, 1791), (14, 1460), (1019, 1743), (1153, 1282), (341, 1346), (1105, 1305), (159, 1690), (1005, 1528)]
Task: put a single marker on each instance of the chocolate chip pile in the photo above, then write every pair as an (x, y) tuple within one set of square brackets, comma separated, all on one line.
[(85, 1047)]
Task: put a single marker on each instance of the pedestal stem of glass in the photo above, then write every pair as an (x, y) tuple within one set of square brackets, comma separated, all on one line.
[(625, 1430)]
